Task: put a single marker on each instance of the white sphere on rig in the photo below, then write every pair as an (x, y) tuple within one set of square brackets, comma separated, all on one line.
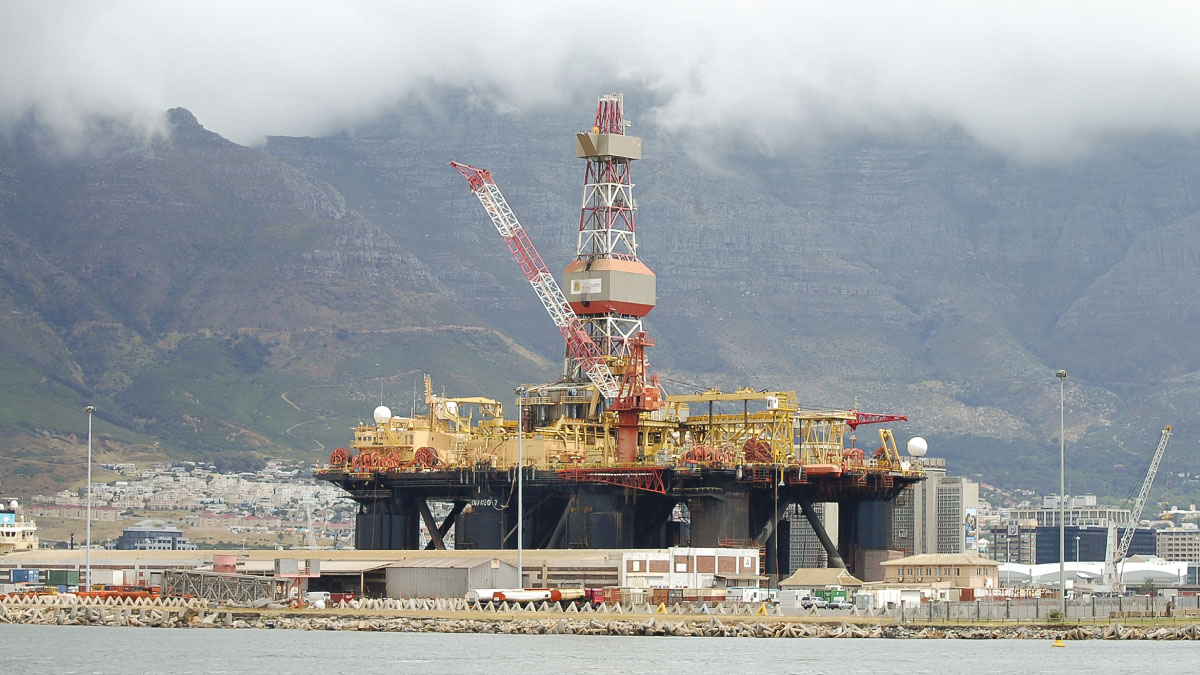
[(382, 414), (917, 447)]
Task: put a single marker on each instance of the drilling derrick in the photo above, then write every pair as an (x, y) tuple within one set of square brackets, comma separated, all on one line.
[(607, 286)]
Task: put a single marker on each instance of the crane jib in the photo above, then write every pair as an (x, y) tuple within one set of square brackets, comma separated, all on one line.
[(579, 343)]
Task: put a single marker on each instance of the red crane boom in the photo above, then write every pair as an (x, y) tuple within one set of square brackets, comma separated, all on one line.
[(579, 343), (861, 418)]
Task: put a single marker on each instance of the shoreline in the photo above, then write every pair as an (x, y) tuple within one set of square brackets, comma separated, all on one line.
[(201, 617)]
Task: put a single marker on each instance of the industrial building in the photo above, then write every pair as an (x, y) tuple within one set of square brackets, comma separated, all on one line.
[(447, 577), (604, 457)]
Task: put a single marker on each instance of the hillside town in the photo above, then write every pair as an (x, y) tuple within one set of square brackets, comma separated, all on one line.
[(278, 505)]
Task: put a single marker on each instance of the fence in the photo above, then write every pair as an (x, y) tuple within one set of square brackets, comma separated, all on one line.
[(1046, 609)]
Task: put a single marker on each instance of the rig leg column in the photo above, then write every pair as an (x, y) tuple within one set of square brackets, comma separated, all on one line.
[(835, 557)]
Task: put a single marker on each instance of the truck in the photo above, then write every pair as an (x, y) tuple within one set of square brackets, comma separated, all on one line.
[(810, 601)]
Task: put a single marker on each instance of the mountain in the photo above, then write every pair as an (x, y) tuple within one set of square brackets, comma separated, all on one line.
[(222, 301), (213, 302)]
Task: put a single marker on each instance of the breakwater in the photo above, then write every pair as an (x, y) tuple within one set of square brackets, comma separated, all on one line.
[(196, 614)]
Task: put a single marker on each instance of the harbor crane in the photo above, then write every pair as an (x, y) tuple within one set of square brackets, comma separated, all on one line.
[(1135, 514)]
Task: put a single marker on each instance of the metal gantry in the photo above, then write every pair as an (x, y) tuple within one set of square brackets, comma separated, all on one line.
[(241, 589)]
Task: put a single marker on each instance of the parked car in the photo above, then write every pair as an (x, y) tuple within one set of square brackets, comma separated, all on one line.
[(841, 604), (809, 601)]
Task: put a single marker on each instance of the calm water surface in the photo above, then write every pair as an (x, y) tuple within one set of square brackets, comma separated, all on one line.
[(69, 650)]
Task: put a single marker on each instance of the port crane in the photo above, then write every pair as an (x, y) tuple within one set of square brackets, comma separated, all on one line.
[(634, 393), (1135, 514)]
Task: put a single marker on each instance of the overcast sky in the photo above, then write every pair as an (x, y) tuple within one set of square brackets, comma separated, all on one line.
[(1034, 79)]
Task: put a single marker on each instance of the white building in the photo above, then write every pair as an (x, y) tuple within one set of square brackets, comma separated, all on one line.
[(681, 567)]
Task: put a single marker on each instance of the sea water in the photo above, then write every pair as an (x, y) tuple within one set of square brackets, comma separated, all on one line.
[(69, 650)]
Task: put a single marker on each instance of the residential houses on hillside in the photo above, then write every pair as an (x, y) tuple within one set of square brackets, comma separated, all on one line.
[(277, 498)]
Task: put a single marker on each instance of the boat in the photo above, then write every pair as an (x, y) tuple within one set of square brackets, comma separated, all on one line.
[(16, 533)]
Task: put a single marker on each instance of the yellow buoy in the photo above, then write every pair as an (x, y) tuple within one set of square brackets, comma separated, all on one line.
[(1059, 643)]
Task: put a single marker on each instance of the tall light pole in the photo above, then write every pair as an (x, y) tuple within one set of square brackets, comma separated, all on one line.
[(1062, 489), (90, 410), (520, 487)]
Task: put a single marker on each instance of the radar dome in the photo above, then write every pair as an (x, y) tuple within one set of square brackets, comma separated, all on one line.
[(382, 414), (13, 504), (917, 447)]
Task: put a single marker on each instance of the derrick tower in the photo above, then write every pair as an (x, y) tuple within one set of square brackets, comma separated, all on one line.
[(606, 285)]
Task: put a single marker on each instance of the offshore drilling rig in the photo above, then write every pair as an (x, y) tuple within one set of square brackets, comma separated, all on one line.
[(605, 458)]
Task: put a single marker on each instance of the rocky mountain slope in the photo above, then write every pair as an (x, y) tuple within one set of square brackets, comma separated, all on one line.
[(220, 300)]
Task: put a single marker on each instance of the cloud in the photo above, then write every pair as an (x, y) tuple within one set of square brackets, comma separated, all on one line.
[(1036, 80)]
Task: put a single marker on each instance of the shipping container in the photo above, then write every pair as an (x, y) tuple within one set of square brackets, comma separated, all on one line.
[(24, 576), (108, 577), (63, 577), (831, 595), (636, 596)]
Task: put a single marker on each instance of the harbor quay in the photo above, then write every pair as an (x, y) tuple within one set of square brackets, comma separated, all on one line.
[(439, 591)]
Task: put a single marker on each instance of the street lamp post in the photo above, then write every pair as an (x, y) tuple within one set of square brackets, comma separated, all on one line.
[(1062, 489), (1076, 554), (520, 488), (90, 410)]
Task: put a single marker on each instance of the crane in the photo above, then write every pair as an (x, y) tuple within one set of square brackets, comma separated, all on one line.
[(861, 418), (579, 343), (1135, 514), (634, 393)]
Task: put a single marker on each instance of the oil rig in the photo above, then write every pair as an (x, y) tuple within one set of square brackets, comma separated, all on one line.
[(603, 458)]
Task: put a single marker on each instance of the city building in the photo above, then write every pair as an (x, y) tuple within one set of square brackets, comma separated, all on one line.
[(1013, 542), (1026, 544), (805, 549), (1178, 544), (1079, 511), (937, 515)]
